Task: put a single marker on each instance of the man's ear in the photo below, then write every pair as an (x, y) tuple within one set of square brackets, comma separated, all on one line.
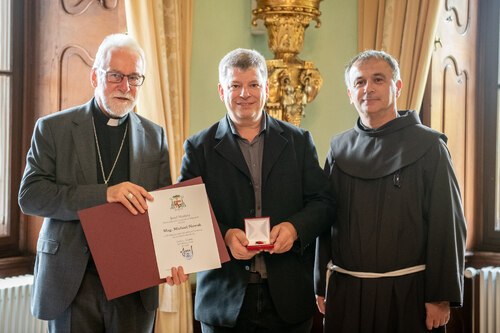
[(221, 91), (93, 77), (399, 86), (349, 95)]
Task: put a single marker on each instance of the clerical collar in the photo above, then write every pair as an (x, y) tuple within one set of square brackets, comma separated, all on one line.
[(104, 118)]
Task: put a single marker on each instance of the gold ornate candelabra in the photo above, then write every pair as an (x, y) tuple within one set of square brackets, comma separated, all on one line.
[(293, 83)]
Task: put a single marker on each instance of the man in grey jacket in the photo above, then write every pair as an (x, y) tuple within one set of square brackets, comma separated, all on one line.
[(88, 155)]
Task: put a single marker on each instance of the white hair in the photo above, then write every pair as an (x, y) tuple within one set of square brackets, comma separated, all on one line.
[(117, 41)]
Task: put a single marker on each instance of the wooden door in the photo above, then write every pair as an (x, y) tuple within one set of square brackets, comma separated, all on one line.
[(452, 94), (62, 39), (450, 107)]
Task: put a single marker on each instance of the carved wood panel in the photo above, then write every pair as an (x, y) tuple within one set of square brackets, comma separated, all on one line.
[(450, 107), (74, 62), (66, 35), (453, 93), (454, 112), (63, 37)]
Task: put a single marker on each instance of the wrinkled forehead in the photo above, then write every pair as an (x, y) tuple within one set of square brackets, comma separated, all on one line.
[(124, 59), (370, 67)]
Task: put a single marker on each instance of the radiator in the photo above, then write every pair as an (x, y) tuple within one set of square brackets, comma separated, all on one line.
[(15, 314), (488, 299)]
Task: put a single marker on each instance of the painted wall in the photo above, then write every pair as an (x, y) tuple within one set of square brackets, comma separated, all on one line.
[(223, 25)]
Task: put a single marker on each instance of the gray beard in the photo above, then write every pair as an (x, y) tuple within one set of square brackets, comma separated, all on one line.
[(121, 113)]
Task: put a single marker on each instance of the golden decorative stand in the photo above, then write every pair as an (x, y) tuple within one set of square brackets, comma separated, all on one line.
[(293, 83)]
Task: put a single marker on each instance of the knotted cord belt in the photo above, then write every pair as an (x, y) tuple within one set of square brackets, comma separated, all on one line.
[(369, 275)]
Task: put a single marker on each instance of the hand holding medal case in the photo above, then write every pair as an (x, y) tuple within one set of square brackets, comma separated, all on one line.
[(258, 232)]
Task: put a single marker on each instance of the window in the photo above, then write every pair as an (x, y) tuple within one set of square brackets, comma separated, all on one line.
[(497, 160), (11, 104), (489, 107), (5, 111)]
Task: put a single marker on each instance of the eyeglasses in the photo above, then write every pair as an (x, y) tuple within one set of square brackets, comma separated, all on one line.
[(115, 77)]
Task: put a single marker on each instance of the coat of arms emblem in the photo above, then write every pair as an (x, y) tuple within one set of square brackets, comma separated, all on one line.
[(177, 202)]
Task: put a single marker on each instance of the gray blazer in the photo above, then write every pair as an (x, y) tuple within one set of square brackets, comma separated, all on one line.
[(61, 178)]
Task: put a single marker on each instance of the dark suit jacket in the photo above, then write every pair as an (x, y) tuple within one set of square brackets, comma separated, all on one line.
[(294, 189), (61, 178)]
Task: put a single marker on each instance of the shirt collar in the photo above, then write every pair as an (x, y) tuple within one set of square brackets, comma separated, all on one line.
[(102, 117), (234, 131)]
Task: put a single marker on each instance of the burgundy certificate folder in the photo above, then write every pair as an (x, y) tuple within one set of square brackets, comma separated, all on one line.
[(122, 246)]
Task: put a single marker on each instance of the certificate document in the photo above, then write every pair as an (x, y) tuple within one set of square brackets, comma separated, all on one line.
[(182, 230), (122, 243)]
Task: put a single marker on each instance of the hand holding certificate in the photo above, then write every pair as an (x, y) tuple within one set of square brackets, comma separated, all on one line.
[(134, 252)]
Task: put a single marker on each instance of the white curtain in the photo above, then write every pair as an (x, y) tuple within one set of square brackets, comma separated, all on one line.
[(163, 29), (405, 29)]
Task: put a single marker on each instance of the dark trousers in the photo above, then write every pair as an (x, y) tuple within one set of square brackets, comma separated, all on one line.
[(258, 314), (91, 312)]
